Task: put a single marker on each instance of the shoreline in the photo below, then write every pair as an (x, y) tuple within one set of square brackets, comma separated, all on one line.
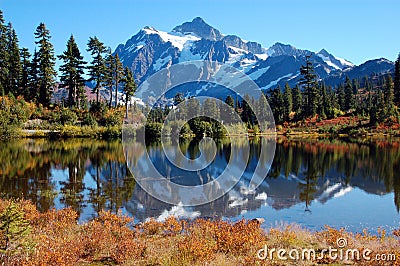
[(97, 132)]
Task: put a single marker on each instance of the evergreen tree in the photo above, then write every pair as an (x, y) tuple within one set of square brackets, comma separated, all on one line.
[(178, 98), (356, 86), (72, 72), (229, 101), (277, 105), (193, 107), (118, 76), (247, 114), (3, 54), (14, 61), (129, 88), (325, 103), (46, 63), (24, 78), (97, 68), (349, 99), (288, 101), (334, 104), (109, 74), (389, 96), (341, 97), (397, 80), (310, 86), (227, 112), (33, 78), (380, 105), (297, 101), (210, 109)]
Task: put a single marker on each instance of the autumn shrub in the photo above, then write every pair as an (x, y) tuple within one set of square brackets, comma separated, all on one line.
[(14, 112), (110, 237), (206, 238), (151, 227), (112, 117)]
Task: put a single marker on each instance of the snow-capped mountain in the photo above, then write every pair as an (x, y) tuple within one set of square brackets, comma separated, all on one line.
[(151, 50)]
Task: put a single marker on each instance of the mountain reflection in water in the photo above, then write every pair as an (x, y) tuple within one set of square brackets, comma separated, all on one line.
[(311, 182)]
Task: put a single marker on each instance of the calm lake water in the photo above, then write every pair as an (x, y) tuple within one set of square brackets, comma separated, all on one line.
[(313, 183)]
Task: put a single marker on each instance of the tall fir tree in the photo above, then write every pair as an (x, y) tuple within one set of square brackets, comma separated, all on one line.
[(229, 101), (24, 76), (325, 103), (288, 101), (341, 97), (46, 63), (349, 99), (397, 80), (33, 78), (297, 101), (3, 55), (227, 110), (309, 83), (14, 61), (97, 68), (247, 114), (72, 72), (118, 76), (129, 88), (109, 75), (389, 96), (277, 105)]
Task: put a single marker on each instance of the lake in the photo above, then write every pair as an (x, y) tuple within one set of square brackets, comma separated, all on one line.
[(353, 184)]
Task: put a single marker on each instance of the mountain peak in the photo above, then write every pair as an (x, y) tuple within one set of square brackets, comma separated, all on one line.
[(200, 28), (285, 49), (324, 52)]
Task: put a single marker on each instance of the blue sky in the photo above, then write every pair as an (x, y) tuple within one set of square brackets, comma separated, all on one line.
[(355, 30)]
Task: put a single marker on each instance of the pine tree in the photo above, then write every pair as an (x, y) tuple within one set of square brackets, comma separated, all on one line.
[(24, 77), (227, 111), (341, 97), (118, 76), (72, 72), (297, 101), (178, 98), (109, 74), (380, 105), (397, 80), (356, 86), (247, 114), (349, 99), (277, 105), (129, 88), (97, 68), (33, 78), (210, 109), (14, 61), (389, 96), (309, 82), (325, 103), (3, 54), (288, 101), (46, 63), (229, 101)]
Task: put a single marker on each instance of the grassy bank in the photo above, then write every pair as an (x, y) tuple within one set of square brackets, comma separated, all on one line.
[(55, 238)]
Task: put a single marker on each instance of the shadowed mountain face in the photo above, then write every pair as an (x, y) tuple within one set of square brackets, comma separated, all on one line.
[(150, 50)]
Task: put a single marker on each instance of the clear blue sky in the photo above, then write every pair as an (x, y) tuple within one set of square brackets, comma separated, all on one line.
[(355, 30)]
